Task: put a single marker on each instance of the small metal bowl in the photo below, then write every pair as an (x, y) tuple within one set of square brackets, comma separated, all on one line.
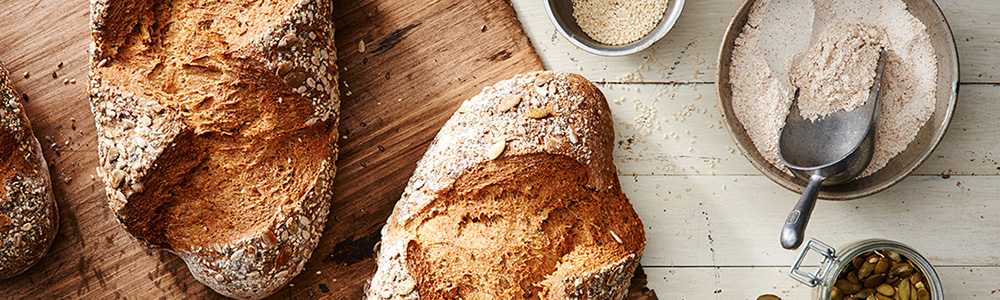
[(929, 136), (561, 14)]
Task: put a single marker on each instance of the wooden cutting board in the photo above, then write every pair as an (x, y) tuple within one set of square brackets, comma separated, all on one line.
[(420, 60)]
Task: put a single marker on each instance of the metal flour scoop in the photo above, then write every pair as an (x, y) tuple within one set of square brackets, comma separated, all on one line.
[(832, 150)]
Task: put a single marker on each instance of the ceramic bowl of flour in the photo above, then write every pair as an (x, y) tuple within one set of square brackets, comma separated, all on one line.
[(919, 148)]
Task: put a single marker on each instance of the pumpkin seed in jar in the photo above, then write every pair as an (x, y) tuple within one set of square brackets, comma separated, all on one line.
[(874, 280), (847, 286), (864, 293), (904, 289), (880, 275), (886, 289), (882, 265), (857, 261), (853, 277), (901, 269), (923, 295), (893, 255), (866, 268), (836, 294)]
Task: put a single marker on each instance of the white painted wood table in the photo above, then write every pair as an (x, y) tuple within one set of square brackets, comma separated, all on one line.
[(712, 220)]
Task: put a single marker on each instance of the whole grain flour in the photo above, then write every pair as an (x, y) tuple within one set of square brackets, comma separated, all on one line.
[(765, 69), (837, 72)]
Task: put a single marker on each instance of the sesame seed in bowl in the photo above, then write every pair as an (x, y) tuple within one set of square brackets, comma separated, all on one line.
[(613, 27)]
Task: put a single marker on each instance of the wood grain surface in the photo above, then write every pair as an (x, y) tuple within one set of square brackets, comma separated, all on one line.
[(419, 61)]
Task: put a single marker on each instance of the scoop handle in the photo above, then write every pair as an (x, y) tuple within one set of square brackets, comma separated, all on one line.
[(795, 224)]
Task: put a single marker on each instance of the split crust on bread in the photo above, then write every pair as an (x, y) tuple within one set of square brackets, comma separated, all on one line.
[(517, 198), (217, 130)]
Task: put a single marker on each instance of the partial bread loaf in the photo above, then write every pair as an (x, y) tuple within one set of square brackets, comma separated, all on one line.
[(29, 217), (517, 198), (217, 124)]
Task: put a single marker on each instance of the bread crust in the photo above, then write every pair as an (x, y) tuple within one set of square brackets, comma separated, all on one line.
[(135, 130), (574, 120), (29, 217)]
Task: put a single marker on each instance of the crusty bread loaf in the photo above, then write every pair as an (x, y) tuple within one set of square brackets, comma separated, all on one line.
[(217, 129), (29, 217), (517, 198)]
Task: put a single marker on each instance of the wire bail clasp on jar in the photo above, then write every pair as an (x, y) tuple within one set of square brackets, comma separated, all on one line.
[(813, 279)]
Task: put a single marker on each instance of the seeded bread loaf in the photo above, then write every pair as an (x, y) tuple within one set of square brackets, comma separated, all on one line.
[(29, 217), (517, 198), (217, 129)]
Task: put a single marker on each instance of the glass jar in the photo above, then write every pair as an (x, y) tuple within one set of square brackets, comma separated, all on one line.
[(832, 264)]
